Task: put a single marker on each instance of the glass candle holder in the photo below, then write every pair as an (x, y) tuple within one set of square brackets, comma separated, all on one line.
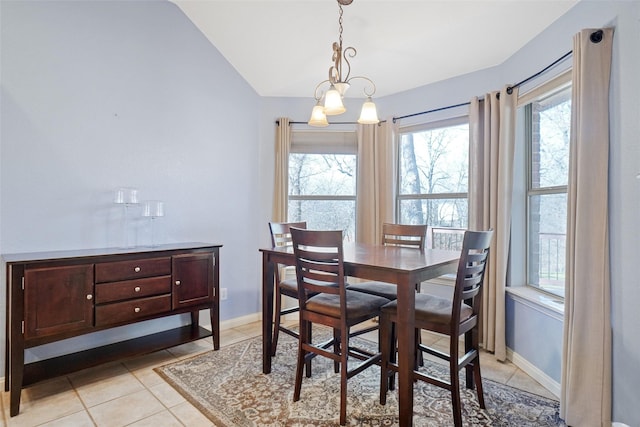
[(152, 209), (126, 196)]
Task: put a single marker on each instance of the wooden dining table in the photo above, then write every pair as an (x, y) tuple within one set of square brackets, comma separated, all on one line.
[(402, 266)]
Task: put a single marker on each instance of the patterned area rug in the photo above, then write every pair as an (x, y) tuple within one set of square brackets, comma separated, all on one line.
[(228, 386)]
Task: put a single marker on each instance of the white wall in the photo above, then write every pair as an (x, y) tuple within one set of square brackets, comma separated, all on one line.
[(100, 94)]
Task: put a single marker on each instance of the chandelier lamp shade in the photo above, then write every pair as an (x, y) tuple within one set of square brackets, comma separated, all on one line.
[(330, 93)]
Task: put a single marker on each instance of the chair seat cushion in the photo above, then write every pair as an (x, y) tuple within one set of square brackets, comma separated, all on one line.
[(289, 288), (381, 289), (432, 309), (358, 304)]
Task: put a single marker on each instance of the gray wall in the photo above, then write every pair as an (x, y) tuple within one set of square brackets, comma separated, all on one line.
[(102, 94)]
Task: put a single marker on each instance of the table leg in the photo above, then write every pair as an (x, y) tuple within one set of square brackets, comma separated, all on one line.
[(267, 311), (406, 349)]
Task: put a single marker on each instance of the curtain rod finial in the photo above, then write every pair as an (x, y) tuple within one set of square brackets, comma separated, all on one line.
[(596, 36)]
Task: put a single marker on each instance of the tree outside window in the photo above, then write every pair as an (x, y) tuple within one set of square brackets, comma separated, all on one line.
[(433, 174)]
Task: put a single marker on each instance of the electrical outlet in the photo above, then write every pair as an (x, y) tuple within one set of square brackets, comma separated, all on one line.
[(223, 293)]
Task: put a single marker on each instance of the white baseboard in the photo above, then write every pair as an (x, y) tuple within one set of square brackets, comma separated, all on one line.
[(240, 321), (534, 372)]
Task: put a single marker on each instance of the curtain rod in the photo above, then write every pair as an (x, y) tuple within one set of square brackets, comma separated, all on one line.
[(596, 37)]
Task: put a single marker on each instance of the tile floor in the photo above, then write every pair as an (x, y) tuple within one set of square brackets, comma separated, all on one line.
[(130, 393)]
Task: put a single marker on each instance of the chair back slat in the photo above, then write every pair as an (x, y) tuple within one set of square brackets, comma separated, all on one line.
[(281, 236), (471, 270), (408, 235), (319, 262)]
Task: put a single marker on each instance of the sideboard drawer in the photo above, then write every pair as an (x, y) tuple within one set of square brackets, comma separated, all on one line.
[(131, 310), (119, 291), (126, 270)]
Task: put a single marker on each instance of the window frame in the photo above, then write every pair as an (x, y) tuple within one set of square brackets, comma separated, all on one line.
[(325, 142), (428, 126), (553, 86)]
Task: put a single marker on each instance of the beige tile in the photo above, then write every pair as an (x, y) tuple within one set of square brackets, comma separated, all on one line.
[(44, 402), (126, 409), (96, 374), (79, 419), (148, 377), (190, 416), (150, 360), (191, 348), (253, 329), (231, 336), (525, 382), (97, 392), (166, 394), (495, 370), (162, 419)]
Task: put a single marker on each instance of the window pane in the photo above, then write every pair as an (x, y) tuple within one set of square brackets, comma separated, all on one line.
[(322, 174), (551, 122), (326, 215), (435, 212), (547, 241), (434, 161)]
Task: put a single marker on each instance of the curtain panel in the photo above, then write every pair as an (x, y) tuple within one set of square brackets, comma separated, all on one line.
[(281, 173), (377, 177), (492, 145), (586, 363)]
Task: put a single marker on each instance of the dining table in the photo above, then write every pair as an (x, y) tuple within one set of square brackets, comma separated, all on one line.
[(402, 266)]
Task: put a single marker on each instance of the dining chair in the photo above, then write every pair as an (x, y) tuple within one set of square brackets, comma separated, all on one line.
[(320, 272), (404, 235), (452, 317), (281, 237)]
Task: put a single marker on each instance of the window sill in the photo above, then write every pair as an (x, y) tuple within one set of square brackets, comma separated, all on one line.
[(540, 301)]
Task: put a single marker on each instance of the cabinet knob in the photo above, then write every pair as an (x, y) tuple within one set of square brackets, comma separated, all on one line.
[(137, 309), (89, 296), (137, 289), (177, 282), (137, 269)]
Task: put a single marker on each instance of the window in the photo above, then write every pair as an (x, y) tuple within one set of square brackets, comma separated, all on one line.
[(322, 180), (547, 126), (433, 174)]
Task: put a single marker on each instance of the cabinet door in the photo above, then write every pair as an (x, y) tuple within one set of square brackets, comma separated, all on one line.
[(58, 300), (192, 280)]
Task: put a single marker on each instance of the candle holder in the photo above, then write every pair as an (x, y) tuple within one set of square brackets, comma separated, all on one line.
[(127, 197), (153, 209)]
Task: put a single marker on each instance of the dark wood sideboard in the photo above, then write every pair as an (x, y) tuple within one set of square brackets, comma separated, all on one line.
[(56, 295)]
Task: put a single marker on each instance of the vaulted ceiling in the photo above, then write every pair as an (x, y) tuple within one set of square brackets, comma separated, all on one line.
[(283, 48)]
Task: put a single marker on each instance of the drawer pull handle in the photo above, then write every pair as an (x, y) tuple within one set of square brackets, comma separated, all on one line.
[(89, 296), (137, 309), (177, 282), (137, 269), (137, 289)]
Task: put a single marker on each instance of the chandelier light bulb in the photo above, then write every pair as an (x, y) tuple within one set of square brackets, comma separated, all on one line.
[(318, 117), (333, 102), (369, 114)]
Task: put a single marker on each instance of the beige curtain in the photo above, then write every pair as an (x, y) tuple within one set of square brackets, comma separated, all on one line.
[(281, 180), (586, 362), (375, 196), (492, 134)]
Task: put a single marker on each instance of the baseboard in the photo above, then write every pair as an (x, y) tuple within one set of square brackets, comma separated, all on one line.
[(534, 372), (240, 321)]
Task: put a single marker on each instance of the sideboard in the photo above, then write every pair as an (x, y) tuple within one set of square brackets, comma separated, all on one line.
[(57, 295)]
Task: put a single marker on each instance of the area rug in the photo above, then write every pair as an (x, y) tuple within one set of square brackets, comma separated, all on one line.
[(228, 386)]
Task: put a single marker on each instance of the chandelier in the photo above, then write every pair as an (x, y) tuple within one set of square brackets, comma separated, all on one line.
[(329, 93)]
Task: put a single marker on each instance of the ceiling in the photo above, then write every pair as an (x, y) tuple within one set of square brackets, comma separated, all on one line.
[(283, 48)]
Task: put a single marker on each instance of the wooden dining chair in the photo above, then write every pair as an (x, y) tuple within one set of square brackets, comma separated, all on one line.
[(404, 235), (452, 317), (281, 237), (320, 272)]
